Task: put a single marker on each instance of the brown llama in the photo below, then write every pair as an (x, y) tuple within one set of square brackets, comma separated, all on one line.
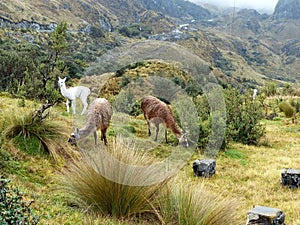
[(156, 112), (98, 117)]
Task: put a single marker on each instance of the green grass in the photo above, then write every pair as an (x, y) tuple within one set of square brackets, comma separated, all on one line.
[(257, 182), (235, 154)]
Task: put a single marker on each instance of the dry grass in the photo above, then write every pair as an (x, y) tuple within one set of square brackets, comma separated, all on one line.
[(247, 173), (109, 181), (254, 179), (194, 204)]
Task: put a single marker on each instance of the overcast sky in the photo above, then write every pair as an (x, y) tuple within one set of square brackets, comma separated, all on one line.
[(268, 5)]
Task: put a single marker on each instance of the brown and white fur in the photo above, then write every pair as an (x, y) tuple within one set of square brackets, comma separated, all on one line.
[(98, 117), (156, 112)]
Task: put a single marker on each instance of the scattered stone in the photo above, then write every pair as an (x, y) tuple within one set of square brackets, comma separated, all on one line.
[(262, 215), (290, 178), (204, 167)]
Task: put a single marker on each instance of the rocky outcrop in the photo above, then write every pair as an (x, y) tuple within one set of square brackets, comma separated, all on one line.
[(24, 24), (287, 9)]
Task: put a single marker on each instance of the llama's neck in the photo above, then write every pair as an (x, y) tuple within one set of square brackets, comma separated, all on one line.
[(63, 90), (171, 123), (86, 130)]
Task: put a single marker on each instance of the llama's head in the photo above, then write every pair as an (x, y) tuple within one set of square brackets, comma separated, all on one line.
[(61, 81), (74, 137), (183, 140)]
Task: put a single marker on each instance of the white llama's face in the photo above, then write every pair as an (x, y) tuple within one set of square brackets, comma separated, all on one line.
[(61, 82)]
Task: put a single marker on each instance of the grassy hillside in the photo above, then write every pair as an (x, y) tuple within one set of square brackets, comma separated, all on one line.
[(248, 174)]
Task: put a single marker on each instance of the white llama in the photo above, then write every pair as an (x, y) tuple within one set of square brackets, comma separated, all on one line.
[(254, 93), (98, 117), (156, 112), (72, 93)]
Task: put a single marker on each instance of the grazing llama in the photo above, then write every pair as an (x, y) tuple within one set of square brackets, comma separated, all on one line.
[(98, 117), (156, 112), (72, 93)]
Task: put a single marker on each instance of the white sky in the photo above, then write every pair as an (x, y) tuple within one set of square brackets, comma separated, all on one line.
[(268, 5)]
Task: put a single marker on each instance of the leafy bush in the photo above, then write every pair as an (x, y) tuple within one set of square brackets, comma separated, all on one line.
[(269, 89), (13, 208), (288, 110), (243, 118), (243, 115), (296, 104), (97, 32)]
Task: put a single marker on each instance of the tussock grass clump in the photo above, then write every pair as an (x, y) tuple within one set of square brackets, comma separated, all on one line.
[(36, 135), (186, 203), (110, 182), (106, 188)]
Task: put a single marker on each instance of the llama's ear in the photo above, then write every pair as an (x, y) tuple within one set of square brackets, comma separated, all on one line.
[(65, 78)]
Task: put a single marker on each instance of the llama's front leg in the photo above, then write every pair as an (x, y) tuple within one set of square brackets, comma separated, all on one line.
[(149, 131), (156, 132), (67, 104), (166, 135), (74, 106), (95, 137)]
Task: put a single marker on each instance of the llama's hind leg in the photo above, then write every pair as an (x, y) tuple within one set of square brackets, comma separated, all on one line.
[(103, 135), (149, 131), (166, 135), (74, 106), (85, 105)]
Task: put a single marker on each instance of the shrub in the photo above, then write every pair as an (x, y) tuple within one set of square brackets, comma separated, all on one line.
[(243, 118), (296, 104), (243, 115), (288, 110), (97, 32), (13, 208), (269, 89)]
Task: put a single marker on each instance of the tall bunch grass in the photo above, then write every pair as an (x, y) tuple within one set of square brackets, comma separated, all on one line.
[(23, 127), (106, 188), (114, 188), (189, 204)]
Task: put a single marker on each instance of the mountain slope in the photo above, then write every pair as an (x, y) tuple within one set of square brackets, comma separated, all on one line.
[(241, 43)]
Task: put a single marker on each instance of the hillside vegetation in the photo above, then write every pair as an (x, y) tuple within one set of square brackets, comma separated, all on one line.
[(231, 81), (249, 175)]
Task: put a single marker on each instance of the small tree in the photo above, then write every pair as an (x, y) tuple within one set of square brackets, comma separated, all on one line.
[(243, 117)]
